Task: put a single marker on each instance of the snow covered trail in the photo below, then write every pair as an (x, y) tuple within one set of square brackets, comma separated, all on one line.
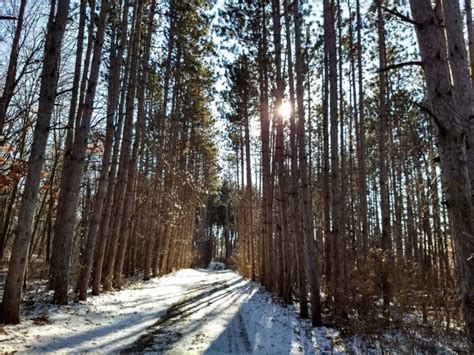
[(190, 311), (229, 315)]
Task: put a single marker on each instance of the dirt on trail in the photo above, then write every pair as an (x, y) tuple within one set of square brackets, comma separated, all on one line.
[(195, 324)]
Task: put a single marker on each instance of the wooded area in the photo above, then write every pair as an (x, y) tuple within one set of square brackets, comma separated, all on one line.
[(323, 150)]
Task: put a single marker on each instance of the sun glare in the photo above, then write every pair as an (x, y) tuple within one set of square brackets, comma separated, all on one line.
[(285, 109)]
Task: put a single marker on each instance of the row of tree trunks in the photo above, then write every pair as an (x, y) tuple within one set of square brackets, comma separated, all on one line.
[(72, 174), (116, 59), (116, 96), (116, 236)]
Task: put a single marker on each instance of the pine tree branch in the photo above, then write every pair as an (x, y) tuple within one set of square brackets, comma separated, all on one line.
[(5, 17), (400, 65), (401, 16)]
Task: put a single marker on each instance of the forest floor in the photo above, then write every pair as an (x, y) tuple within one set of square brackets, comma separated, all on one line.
[(189, 311)]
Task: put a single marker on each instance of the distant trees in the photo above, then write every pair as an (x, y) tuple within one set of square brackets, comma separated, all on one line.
[(241, 97), (284, 226)]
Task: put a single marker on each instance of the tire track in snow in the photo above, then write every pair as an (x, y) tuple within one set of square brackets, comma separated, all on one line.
[(166, 331)]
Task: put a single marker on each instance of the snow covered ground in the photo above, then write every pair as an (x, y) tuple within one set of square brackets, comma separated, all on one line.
[(190, 311)]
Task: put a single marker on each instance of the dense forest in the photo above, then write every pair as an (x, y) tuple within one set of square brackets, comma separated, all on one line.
[(322, 149)]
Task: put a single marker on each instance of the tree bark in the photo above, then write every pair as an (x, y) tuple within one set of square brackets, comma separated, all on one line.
[(114, 94)]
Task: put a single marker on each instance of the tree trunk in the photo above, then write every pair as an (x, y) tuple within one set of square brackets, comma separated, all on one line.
[(459, 66), (280, 155), (361, 151), (296, 220), (335, 198), (267, 201), (114, 94), (383, 169), (10, 312), (249, 193), (311, 261), (449, 114), (470, 36)]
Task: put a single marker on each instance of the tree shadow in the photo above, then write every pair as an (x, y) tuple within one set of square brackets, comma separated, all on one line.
[(259, 326), (235, 317), (170, 328)]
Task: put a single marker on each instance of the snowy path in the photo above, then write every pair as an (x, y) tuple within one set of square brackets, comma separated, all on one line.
[(190, 311)]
